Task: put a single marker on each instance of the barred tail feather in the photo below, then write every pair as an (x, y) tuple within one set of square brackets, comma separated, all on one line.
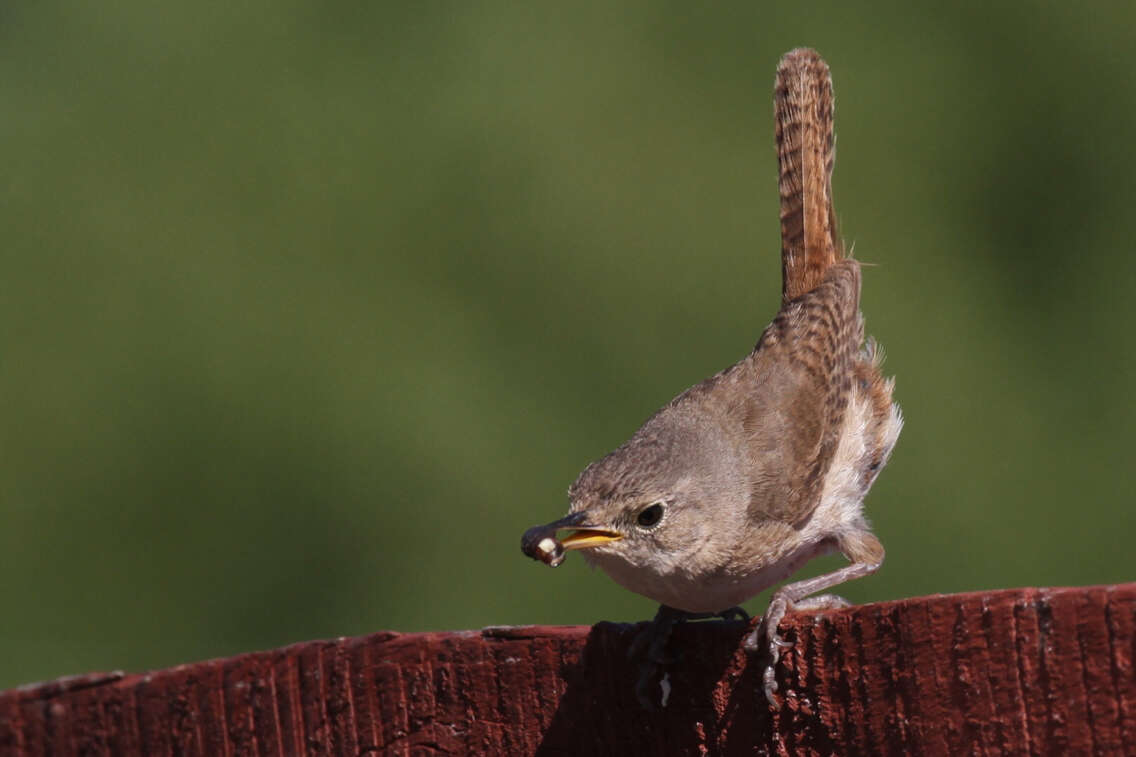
[(803, 107)]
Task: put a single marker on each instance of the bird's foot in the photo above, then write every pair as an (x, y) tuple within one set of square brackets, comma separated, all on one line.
[(766, 629), (729, 614), (651, 645)]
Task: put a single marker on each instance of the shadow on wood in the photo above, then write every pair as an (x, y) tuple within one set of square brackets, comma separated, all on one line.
[(1022, 671)]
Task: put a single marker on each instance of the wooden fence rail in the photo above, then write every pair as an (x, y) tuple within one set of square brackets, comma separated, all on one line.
[(1031, 671)]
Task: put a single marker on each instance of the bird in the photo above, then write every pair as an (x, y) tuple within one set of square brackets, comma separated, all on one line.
[(740, 480)]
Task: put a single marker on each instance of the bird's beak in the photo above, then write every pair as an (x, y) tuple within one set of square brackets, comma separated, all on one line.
[(582, 538), (540, 542)]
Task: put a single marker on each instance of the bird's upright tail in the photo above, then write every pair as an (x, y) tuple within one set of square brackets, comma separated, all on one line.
[(803, 105)]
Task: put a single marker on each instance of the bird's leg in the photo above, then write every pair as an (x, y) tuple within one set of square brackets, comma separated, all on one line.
[(727, 615), (655, 637), (792, 596)]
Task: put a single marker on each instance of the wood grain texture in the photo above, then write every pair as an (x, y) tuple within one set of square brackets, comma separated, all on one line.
[(1031, 671)]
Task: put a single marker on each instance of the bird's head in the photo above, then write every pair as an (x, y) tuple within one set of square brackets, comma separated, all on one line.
[(663, 501)]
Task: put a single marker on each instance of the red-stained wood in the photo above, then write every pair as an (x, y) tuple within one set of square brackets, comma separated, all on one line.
[(1032, 671)]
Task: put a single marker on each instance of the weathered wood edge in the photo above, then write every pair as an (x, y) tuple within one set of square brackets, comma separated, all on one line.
[(1037, 671)]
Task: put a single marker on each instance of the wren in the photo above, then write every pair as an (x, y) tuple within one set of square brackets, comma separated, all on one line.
[(742, 479)]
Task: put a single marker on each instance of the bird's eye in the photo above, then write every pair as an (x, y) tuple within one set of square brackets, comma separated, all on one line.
[(649, 517)]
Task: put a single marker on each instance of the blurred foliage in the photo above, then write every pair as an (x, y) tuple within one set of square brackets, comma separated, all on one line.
[(309, 309)]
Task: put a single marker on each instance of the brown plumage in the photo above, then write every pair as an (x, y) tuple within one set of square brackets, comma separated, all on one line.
[(743, 478), (803, 111)]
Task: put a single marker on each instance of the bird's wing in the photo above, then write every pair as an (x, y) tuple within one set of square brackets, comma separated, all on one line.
[(802, 374)]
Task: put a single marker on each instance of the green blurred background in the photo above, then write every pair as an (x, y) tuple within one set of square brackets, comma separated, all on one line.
[(308, 310)]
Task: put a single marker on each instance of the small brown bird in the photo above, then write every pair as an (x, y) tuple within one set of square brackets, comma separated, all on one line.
[(743, 478)]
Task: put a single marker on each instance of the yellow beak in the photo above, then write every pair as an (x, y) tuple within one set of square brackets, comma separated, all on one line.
[(589, 537)]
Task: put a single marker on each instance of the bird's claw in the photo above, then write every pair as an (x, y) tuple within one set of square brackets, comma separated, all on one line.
[(651, 644), (770, 686), (767, 629)]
